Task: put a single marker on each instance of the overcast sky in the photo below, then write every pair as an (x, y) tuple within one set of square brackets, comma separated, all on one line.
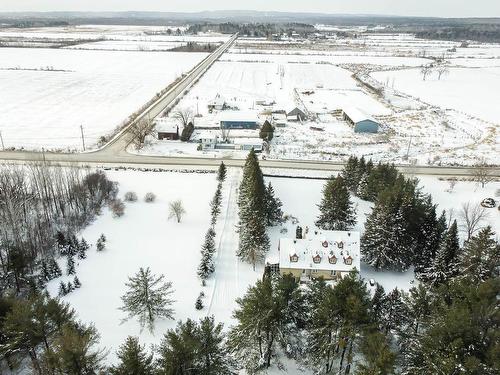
[(440, 8)]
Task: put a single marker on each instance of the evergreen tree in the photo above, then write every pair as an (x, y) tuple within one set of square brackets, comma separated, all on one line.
[(274, 214), (338, 323), (70, 267), (83, 246), (378, 356), (254, 241), (363, 189), (178, 350), (394, 312), (76, 282), (336, 211), (199, 302), (215, 205), (262, 316), (207, 267), (214, 358), (381, 243), (378, 303), (480, 257), (222, 172), (148, 298), (445, 265), (54, 269), (266, 131), (63, 289), (73, 351), (69, 287), (133, 359), (101, 243), (461, 335), (350, 173)]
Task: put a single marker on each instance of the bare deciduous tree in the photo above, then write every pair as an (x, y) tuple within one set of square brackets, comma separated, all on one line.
[(471, 217), (176, 210), (482, 173), (140, 130), (425, 71), (183, 116), (451, 185), (442, 70)]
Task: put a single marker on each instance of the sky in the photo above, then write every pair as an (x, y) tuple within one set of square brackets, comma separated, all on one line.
[(437, 8)]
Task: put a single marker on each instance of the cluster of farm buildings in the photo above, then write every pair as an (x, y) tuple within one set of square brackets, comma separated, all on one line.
[(236, 129)]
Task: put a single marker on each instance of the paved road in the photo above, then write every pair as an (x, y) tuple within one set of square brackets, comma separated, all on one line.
[(114, 153)]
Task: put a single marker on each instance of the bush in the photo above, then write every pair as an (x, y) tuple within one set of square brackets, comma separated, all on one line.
[(130, 196), (149, 198), (117, 207)]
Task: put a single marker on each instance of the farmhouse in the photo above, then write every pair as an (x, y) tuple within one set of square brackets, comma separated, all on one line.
[(296, 114), (238, 120), (362, 122), (167, 130), (329, 254), (218, 104)]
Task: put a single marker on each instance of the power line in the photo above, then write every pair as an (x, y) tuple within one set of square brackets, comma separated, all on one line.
[(1, 140)]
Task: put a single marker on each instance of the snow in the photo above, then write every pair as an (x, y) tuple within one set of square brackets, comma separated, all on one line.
[(96, 89), (473, 90), (144, 237)]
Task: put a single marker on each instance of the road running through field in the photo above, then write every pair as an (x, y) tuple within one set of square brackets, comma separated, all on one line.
[(232, 277)]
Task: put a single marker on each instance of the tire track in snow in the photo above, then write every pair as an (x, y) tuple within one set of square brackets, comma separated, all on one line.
[(226, 277)]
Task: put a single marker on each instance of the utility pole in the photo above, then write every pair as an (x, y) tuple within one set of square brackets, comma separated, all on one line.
[(83, 138), (1, 141), (408, 150)]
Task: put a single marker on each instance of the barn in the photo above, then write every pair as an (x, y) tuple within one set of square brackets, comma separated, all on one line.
[(362, 122), (296, 114)]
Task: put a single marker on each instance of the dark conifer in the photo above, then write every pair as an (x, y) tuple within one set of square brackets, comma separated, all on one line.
[(336, 211)]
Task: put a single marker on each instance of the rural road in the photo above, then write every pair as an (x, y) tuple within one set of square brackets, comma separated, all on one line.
[(114, 153)]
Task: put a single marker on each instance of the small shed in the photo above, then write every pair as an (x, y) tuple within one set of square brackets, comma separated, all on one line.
[(362, 122), (167, 130), (296, 114)]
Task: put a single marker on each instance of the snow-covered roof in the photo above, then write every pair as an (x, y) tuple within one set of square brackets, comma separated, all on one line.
[(247, 141), (238, 116), (328, 250), (356, 114), (165, 125)]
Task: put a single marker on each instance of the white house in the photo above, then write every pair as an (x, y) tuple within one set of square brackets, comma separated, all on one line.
[(328, 254)]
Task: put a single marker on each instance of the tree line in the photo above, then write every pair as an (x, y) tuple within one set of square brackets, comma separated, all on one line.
[(38, 204)]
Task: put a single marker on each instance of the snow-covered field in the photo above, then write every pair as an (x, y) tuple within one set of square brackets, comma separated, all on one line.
[(470, 90), (144, 237), (48, 93)]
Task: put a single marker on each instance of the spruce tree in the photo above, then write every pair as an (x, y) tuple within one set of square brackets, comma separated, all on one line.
[(148, 298), (63, 290), (199, 302), (445, 264), (101, 243), (76, 282), (394, 312), (222, 172), (336, 211), (274, 214), (254, 241), (133, 359), (214, 358), (349, 173), (378, 303), (206, 267), (480, 257), (381, 244), (70, 269), (83, 246), (54, 269), (215, 205), (69, 287)]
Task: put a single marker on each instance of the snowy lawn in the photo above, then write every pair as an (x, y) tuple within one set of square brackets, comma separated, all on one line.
[(143, 237), (300, 198), (48, 93)]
